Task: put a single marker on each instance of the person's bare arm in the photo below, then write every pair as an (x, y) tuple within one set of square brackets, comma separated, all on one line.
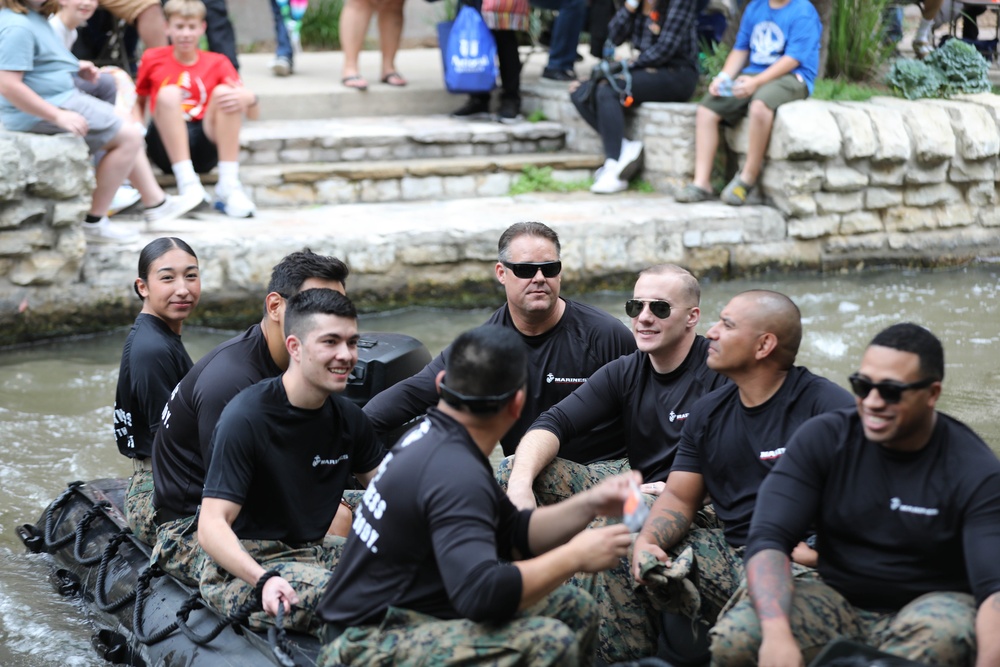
[(769, 581), (987, 637), (670, 517), (536, 450), (14, 90), (747, 84), (216, 536)]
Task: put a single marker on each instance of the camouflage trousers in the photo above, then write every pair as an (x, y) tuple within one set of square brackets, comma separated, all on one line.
[(177, 552), (307, 568), (934, 629), (139, 506), (560, 630), (562, 478)]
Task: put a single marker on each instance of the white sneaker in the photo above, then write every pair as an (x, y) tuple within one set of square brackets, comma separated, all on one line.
[(174, 207), (195, 187), (234, 202), (630, 159), (281, 66), (105, 231), (125, 197), (608, 182)]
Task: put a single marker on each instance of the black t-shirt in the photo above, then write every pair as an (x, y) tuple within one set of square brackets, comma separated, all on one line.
[(559, 361), (153, 362), (287, 466), (654, 407), (734, 447), (182, 448), (890, 526), (430, 535)]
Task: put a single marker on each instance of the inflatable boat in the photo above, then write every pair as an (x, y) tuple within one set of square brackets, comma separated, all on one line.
[(148, 619)]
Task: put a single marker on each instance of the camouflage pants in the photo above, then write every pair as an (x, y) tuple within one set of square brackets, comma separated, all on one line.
[(561, 479), (139, 506), (177, 552), (307, 569), (934, 629), (560, 630)]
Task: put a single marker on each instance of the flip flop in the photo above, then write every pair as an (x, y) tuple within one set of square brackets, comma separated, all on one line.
[(394, 79), (357, 82)]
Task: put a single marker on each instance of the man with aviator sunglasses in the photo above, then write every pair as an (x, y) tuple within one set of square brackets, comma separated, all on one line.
[(651, 391), (906, 505), (567, 342)]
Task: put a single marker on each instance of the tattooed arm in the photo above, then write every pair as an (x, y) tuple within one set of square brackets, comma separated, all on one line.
[(987, 637), (769, 580), (670, 517)]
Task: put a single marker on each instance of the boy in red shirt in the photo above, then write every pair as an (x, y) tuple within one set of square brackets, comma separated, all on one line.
[(197, 103)]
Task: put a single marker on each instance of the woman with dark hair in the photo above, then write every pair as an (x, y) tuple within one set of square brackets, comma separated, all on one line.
[(153, 362), (664, 32)]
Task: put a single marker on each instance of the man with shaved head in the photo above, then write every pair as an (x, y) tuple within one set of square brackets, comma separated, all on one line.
[(730, 442)]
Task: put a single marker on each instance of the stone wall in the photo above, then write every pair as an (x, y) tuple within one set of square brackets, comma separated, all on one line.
[(862, 178)]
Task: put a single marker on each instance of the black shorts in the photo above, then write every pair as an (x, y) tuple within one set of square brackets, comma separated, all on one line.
[(204, 157)]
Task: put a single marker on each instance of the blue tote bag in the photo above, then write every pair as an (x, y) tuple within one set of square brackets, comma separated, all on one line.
[(469, 53)]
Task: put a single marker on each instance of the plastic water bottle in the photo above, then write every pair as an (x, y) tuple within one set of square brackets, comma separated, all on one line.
[(609, 50), (725, 85)]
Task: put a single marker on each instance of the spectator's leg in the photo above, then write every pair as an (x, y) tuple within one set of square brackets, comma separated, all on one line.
[(219, 31), (601, 12), (390, 29), (223, 127), (610, 120), (565, 31), (923, 42), (170, 124), (152, 26), (706, 143), (510, 64), (761, 119), (354, 20), (119, 158), (970, 18), (283, 48), (892, 24)]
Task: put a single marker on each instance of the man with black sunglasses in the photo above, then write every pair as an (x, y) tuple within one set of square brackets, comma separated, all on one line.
[(729, 444), (905, 501), (651, 391), (567, 342)]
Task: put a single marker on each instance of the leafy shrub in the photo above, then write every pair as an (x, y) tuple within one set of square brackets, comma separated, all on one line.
[(857, 49), (914, 78), (321, 24), (962, 68)]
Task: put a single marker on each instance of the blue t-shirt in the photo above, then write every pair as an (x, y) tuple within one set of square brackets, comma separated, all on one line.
[(29, 44), (793, 30)]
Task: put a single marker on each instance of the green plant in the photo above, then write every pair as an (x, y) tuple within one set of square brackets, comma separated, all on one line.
[(857, 48), (537, 116), (712, 57), (321, 24), (539, 179), (841, 90), (962, 68), (914, 79), (641, 185)]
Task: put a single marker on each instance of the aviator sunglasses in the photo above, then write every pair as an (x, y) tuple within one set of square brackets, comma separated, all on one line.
[(661, 309), (890, 391), (528, 270)]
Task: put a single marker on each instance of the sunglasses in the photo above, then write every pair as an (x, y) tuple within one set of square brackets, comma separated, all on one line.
[(528, 270), (890, 391), (661, 309)]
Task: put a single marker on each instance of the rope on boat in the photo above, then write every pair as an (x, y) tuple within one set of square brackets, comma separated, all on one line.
[(50, 515), (141, 593), (237, 619), (278, 639), (110, 551), (96, 510)]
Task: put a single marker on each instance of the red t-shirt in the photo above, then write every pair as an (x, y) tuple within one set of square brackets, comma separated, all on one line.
[(159, 68)]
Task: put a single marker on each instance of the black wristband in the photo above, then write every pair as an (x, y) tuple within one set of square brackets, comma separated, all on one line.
[(258, 590)]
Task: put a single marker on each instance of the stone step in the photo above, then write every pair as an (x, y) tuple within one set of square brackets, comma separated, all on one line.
[(322, 183), (396, 137)]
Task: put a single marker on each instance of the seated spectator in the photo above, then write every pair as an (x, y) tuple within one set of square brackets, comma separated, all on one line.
[(666, 70), (115, 87), (504, 19), (774, 61), (197, 103), (905, 502), (153, 362), (354, 20), (282, 453), (37, 94), (440, 568)]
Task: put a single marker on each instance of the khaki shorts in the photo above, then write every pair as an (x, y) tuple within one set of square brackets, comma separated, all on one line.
[(787, 88), (127, 9)]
